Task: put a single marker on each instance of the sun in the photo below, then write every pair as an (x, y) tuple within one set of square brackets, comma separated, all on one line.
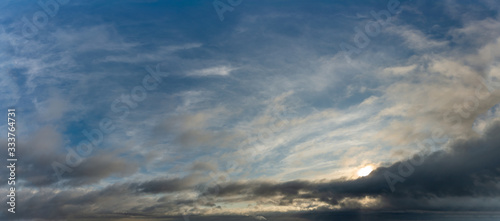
[(365, 171)]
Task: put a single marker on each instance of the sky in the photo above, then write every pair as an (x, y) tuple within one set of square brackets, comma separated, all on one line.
[(252, 110)]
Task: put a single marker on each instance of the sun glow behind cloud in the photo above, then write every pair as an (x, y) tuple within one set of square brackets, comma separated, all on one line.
[(259, 113), (365, 171)]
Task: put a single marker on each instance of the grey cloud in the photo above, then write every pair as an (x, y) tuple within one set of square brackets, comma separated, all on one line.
[(98, 167), (192, 130), (204, 166), (37, 155), (469, 169), (167, 185), (452, 180), (106, 203)]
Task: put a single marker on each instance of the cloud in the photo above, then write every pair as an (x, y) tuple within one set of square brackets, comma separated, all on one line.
[(265, 101), (53, 108), (213, 71), (36, 162), (440, 176), (95, 168), (203, 166), (191, 130), (260, 218), (476, 32), (416, 39), (445, 180), (401, 70), (167, 185)]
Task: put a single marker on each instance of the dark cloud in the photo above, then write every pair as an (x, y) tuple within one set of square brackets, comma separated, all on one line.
[(167, 185), (107, 203), (203, 166), (446, 180), (470, 168), (98, 167), (37, 155), (390, 216)]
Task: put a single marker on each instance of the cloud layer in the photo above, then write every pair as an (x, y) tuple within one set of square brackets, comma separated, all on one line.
[(257, 117)]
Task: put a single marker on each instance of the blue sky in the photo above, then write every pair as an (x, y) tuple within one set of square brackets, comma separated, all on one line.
[(269, 98)]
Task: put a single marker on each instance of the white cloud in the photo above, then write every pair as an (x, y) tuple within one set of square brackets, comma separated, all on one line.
[(222, 70), (476, 32), (416, 39), (260, 218), (400, 70)]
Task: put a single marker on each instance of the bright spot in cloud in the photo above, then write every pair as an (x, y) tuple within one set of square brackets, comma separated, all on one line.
[(365, 171), (213, 71)]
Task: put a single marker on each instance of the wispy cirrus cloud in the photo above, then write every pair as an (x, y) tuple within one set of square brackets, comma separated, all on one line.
[(257, 117)]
